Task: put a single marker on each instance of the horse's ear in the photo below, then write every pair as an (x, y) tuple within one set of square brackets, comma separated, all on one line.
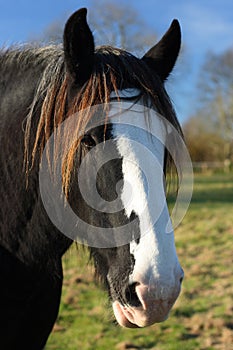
[(78, 47), (162, 57)]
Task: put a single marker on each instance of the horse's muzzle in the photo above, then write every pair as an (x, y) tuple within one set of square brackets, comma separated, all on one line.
[(150, 310)]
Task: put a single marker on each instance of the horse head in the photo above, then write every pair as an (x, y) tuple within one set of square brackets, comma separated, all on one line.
[(127, 224)]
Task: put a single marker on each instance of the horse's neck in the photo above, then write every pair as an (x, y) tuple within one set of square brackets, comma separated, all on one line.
[(25, 229), (17, 88)]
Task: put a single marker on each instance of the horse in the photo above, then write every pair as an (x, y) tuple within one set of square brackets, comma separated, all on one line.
[(41, 87)]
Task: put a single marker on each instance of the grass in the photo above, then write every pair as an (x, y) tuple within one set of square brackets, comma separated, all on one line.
[(202, 316)]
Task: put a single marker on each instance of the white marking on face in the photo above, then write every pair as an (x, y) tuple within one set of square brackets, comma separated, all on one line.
[(143, 193)]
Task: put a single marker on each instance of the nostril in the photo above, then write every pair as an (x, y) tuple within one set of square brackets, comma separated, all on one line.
[(181, 276), (131, 295)]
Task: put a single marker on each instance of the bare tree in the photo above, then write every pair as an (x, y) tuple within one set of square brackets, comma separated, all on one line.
[(216, 92), (120, 25), (203, 143), (113, 24), (209, 133), (53, 33)]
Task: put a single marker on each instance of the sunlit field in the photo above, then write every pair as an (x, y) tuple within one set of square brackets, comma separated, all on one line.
[(203, 315)]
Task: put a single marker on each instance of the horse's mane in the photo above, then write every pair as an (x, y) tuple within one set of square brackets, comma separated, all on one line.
[(114, 69)]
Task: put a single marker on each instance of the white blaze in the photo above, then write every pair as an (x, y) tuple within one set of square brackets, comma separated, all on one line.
[(143, 193)]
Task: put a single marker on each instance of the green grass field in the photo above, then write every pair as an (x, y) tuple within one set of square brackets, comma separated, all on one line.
[(202, 318)]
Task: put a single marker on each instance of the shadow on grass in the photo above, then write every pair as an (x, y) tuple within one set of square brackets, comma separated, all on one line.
[(210, 189), (223, 195)]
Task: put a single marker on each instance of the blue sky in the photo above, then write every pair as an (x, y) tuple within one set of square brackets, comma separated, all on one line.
[(207, 25)]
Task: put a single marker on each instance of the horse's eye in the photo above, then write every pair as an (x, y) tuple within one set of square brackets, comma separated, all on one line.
[(88, 141)]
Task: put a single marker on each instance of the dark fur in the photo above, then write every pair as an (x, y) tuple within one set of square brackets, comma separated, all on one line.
[(31, 248)]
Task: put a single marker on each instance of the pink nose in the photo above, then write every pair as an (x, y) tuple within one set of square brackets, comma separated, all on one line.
[(146, 305), (156, 303), (149, 295)]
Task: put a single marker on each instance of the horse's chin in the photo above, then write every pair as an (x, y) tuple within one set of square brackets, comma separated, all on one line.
[(136, 317), (121, 317)]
